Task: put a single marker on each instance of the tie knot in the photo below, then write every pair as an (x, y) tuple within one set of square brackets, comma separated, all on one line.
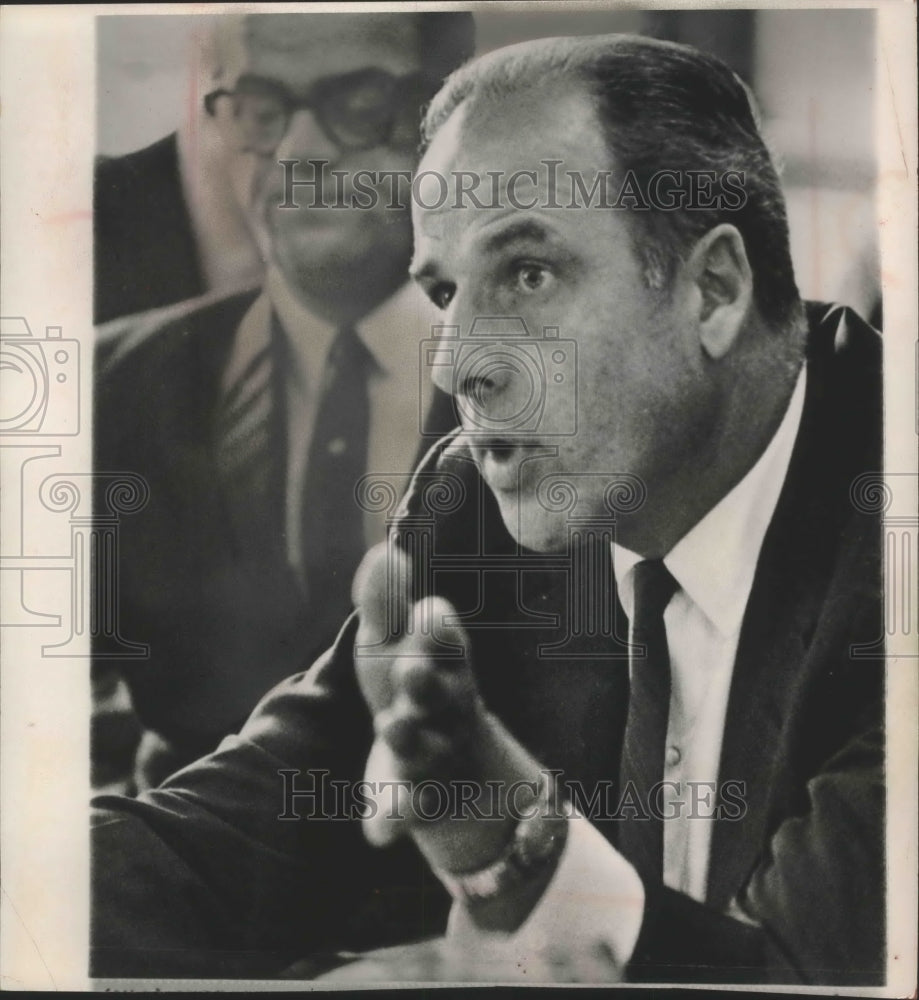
[(348, 349), (653, 587)]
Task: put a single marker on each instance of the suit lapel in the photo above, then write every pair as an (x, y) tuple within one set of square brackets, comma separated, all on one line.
[(836, 441), (254, 521), (778, 625)]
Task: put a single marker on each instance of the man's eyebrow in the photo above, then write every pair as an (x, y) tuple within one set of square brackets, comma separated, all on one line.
[(525, 229)]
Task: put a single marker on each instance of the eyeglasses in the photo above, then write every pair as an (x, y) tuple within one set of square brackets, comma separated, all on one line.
[(357, 110)]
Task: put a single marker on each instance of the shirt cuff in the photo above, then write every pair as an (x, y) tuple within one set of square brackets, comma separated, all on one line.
[(591, 910)]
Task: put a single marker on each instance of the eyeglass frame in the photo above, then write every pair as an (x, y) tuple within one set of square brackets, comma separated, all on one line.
[(313, 100)]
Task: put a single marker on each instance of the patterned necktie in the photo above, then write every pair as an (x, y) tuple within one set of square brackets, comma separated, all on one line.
[(642, 840), (332, 528)]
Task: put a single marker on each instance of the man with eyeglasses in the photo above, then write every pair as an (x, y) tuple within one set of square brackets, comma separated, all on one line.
[(253, 418)]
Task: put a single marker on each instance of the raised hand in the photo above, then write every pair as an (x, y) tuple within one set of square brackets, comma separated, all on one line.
[(434, 736)]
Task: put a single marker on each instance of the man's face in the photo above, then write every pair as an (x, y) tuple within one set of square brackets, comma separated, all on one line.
[(324, 251), (643, 401)]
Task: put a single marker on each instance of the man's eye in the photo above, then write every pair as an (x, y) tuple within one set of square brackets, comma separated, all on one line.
[(442, 294), (365, 103), (532, 277)]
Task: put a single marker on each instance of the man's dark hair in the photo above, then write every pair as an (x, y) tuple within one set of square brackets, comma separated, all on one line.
[(663, 106)]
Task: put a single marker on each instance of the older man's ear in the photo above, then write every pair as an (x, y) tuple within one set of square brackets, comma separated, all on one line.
[(720, 286)]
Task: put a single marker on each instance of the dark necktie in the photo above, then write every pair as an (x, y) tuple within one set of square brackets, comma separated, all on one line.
[(332, 529), (642, 840)]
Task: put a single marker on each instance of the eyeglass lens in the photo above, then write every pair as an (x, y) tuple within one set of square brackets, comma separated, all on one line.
[(359, 110)]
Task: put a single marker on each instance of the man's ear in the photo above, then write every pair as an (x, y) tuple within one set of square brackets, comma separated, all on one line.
[(720, 273)]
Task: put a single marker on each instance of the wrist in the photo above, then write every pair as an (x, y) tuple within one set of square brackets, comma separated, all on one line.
[(527, 858), (484, 813)]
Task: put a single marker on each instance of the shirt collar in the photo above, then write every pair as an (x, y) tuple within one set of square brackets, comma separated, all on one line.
[(715, 561), (308, 336), (391, 332)]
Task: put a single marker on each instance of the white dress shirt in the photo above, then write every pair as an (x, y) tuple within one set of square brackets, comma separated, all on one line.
[(595, 895), (398, 395)]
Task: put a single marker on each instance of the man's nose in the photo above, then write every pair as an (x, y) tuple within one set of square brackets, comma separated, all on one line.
[(306, 139), (475, 370)]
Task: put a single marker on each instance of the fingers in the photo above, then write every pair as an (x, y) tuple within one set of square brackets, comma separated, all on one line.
[(381, 606), (382, 773), (429, 722), (418, 685), (422, 751)]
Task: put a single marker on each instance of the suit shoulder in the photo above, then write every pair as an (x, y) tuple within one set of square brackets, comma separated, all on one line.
[(153, 163), (141, 338), (838, 331)]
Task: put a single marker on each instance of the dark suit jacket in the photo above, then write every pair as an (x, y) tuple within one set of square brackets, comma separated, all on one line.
[(221, 628), (201, 877), (145, 251)]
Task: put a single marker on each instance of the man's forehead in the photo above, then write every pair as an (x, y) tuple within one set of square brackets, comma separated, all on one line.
[(298, 48), (498, 137), (519, 147), (486, 121)]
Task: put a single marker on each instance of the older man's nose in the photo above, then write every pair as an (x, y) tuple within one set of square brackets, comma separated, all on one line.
[(306, 139)]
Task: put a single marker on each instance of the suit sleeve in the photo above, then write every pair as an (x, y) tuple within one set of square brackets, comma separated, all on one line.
[(201, 877)]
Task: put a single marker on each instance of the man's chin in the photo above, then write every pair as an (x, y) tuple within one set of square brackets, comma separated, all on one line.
[(531, 525)]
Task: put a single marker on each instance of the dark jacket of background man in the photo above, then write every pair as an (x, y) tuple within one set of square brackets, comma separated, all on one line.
[(146, 253), (221, 629)]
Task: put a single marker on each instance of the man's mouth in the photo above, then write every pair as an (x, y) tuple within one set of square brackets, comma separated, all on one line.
[(305, 214)]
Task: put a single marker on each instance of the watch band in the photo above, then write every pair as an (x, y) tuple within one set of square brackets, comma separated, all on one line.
[(537, 843)]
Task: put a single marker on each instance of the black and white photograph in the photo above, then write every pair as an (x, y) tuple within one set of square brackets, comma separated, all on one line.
[(459, 496)]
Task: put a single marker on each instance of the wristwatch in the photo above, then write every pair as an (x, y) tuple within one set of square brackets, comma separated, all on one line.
[(536, 845)]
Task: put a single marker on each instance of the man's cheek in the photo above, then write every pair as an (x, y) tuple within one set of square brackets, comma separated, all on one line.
[(262, 185)]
